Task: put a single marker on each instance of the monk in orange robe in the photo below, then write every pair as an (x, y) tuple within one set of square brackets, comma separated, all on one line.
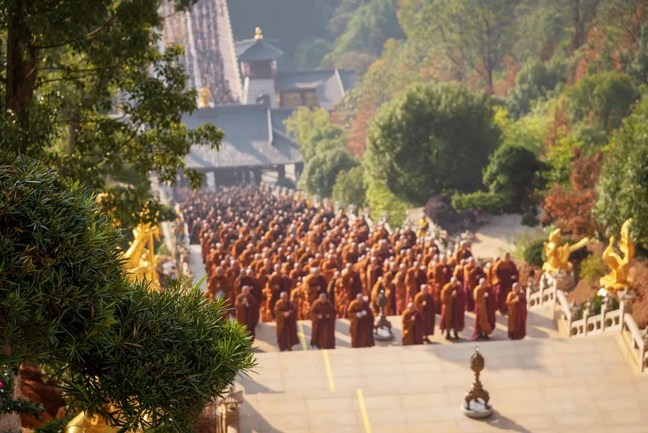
[(517, 312), (323, 323), (441, 278), (343, 293), (361, 322), (218, 286), (463, 253), (298, 298), (247, 310), (386, 287), (411, 281), (452, 313), (314, 284), (400, 286), (483, 326), (286, 316), (505, 273), (472, 273), (413, 325), (424, 302)]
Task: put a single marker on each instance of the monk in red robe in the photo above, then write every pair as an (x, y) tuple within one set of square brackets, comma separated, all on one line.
[(483, 327), (472, 273), (286, 315), (400, 287), (343, 293), (424, 302), (247, 310), (218, 286), (323, 323), (463, 252), (452, 313), (314, 284), (413, 325), (505, 274), (361, 322), (517, 312), (441, 278)]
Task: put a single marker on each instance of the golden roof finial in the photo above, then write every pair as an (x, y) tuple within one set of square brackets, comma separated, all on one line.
[(258, 33)]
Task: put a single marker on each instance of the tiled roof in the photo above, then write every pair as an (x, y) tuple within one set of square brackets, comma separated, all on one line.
[(250, 138), (253, 50), (330, 84)]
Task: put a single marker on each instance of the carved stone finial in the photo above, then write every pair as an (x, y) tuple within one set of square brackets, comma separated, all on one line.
[(258, 33), (476, 400)]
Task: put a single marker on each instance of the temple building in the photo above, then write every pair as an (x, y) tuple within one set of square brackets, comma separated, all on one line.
[(242, 92), (287, 89)]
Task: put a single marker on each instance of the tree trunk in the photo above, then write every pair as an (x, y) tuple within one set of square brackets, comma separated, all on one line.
[(22, 68), (579, 25), (10, 422)]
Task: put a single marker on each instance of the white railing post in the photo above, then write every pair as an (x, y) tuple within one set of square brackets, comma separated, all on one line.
[(644, 350)]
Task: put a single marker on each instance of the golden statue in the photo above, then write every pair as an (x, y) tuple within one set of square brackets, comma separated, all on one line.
[(82, 423), (618, 279), (423, 227), (558, 255), (141, 262), (204, 98), (258, 34)]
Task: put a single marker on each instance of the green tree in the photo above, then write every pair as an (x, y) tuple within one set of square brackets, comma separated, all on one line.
[(65, 302), (370, 26), (59, 265), (383, 202), (430, 139), (321, 171), (513, 176), (171, 352), (638, 69), (84, 86), (535, 81), (349, 188), (622, 188), (540, 26), (475, 34), (309, 126), (310, 52), (529, 132), (601, 100)]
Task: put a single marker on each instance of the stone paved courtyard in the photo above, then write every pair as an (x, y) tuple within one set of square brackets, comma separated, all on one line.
[(536, 385), (544, 383)]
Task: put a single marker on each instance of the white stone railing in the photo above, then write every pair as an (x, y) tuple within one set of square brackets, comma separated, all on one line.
[(636, 341), (618, 320), (587, 324), (546, 293), (228, 52)]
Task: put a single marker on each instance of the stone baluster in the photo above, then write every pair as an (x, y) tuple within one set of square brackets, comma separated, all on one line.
[(642, 354), (627, 298)]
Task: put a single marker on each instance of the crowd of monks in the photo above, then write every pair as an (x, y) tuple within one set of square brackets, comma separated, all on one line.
[(278, 258)]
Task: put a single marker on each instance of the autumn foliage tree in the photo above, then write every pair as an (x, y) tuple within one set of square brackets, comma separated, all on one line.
[(570, 206)]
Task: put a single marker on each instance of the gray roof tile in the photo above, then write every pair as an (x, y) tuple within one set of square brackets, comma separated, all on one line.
[(250, 138)]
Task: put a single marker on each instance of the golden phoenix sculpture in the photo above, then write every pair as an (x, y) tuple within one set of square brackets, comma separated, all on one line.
[(141, 262), (618, 279), (558, 254)]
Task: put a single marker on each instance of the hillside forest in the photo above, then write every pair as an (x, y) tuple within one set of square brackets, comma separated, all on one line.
[(471, 107)]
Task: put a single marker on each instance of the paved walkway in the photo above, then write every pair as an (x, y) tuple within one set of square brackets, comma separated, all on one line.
[(197, 266), (541, 384), (536, 385), (539, 325)]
